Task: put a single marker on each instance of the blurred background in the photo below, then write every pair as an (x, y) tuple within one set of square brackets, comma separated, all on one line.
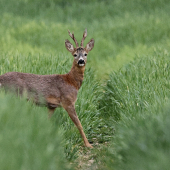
[(121, 29)]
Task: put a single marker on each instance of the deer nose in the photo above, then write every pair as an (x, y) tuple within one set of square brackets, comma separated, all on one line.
[(81, 61)]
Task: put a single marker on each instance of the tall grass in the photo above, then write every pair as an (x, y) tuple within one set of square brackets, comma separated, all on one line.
[(137, 86), (28, 140), (141, 142), (135, 102)]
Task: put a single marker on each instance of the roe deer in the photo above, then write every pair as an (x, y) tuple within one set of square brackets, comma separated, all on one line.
[(54, 90)]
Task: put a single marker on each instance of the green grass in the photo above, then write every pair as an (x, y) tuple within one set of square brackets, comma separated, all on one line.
[(141, 142), (86, 105), (137, 86), (121, 29), (28, 140), (134, 101), (113, 100)]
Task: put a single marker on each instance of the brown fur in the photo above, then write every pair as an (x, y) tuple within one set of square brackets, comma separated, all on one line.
[(54, 90)]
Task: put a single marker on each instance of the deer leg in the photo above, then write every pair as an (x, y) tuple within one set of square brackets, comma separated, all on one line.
[(50, 112), (72, 113)]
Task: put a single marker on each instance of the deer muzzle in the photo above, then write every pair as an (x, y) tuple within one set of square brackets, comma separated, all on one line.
[(81, 62)]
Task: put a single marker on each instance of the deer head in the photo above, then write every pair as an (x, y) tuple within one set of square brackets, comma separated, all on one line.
[(79, 53)]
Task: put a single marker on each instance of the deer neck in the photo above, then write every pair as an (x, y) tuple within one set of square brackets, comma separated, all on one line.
[(76, 75)]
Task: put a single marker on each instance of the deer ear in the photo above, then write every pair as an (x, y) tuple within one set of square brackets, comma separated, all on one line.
[(69, 46), (90, 45)]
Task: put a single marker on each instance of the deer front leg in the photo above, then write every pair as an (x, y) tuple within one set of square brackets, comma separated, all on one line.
[(72, 113)]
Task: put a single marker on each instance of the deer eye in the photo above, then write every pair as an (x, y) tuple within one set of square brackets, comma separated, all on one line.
[(75, 55), (85, 54)]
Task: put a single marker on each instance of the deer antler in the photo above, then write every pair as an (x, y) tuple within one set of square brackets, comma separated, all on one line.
[(72, 36), (84, 36)]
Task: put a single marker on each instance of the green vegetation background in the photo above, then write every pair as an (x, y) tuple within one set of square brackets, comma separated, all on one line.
[(131, 102)]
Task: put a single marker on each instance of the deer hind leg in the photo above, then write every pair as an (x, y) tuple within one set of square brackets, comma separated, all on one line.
[(50, 112), (72, 113), (52, 104)]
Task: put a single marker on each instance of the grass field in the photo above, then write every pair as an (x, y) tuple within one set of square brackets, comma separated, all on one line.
[(138, 101), (123, 103)]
